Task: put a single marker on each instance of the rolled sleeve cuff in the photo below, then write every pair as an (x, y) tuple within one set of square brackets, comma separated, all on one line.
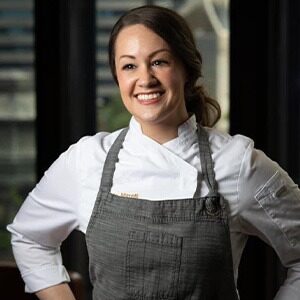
[(45, 277)]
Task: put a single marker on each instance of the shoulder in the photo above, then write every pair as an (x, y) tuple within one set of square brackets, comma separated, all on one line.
[(228, 154), (99, 142), (241, 169), (224, 143), (239, 150), (88, 154)]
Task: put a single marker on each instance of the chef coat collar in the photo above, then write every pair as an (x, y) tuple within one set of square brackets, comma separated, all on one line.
[(186, 131)]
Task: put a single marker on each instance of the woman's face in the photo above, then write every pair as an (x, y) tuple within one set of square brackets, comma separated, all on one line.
[(151, 79)]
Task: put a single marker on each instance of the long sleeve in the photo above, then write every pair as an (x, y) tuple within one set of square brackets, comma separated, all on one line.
[(269, 204), (45, 219)]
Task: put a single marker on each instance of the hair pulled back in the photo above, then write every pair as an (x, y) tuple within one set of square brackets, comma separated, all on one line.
[(171, 27)]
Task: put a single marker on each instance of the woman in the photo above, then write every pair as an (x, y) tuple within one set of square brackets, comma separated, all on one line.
[(176, 200)]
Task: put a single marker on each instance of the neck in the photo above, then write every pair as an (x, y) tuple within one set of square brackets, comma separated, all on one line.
[(159, 133), (162, 132)]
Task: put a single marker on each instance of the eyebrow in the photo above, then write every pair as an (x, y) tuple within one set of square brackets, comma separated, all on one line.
[(151, 55)]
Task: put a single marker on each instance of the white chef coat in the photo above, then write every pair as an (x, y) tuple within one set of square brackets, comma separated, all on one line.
[(263, 200)]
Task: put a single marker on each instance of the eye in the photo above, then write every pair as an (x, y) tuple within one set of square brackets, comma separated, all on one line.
[(128, 67), (159, 62)]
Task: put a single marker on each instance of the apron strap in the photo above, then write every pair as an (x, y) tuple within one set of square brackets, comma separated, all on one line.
[(110, 162), (206, 163), (197, 193)]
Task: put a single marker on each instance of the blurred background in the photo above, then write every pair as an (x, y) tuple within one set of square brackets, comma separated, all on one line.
[(55, 86)]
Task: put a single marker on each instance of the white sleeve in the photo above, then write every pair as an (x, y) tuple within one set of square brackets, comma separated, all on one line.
[(40, 266), (45, 219), (269, 207)]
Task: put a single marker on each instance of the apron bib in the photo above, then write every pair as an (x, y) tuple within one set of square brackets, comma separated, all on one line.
[(169, 249)]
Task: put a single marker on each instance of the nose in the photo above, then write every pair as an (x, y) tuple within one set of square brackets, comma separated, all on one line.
[(146, 77)]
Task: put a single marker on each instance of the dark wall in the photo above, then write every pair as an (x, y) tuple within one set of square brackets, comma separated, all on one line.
[(65, 92), (65, 75), (265, 105)]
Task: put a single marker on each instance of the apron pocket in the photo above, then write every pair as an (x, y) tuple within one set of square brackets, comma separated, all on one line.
[(152, 265)]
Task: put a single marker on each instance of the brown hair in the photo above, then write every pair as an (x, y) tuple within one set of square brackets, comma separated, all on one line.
[(174, 30)]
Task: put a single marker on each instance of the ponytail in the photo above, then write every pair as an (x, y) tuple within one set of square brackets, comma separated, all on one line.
[(206, 109)]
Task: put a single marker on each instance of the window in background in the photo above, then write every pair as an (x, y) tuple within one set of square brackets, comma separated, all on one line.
[(209, 21), (17, 111)]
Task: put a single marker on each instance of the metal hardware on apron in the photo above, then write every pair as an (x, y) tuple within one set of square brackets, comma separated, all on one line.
[(169, 249)]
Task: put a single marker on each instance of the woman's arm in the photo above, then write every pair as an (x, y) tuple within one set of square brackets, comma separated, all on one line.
[(41, 266), (57, 292), (45, 219), (269, 207)]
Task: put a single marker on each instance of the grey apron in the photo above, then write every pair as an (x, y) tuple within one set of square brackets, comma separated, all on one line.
[(168, 249)]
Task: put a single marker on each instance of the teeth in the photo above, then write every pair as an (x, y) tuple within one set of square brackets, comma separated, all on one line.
[(148, 96)]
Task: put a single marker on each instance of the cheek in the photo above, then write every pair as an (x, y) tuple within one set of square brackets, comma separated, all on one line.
[(125, 84), (174, 76), (122, 86), (177, 81), (126, 90)]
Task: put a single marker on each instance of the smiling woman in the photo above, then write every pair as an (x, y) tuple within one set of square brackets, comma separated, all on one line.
[(151, 81), (166, 30), (146, 63), (167, 203)]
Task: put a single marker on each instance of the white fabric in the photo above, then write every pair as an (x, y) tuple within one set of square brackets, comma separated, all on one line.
[(263, 200)]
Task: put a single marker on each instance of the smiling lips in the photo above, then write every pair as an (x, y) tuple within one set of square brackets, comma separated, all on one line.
[(149, 98)]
